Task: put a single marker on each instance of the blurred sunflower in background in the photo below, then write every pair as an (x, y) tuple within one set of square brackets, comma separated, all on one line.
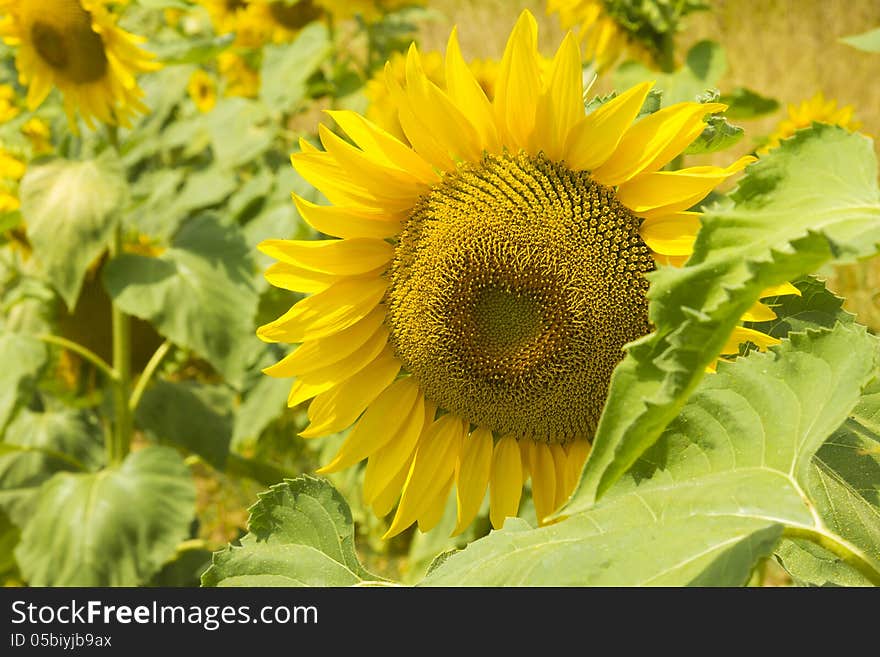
[(817, 109), (76, 46), (202, 90), (487, 276), (368, 10), (609, 29)]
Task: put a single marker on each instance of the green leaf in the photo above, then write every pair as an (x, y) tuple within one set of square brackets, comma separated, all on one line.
[(286, 68), (780, 224), (844, 481), (816, 307), (868, 41), (718, 135), (301, 534), (747, 104), (71, 210), (263, 403), (241, 131), (115, 527), (37, 445), (192, 51), (199, 293), (189, 414), (704, 65), (23, 357), (713, 496), (9, 537)]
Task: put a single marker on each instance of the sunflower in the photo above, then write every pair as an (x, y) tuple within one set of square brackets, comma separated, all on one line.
[(12, 170), (485, 280), (281, 21), (203, 90), (39, 134), (240, 78), (603, 38), (76, 46), (234, 16), (816, 109)]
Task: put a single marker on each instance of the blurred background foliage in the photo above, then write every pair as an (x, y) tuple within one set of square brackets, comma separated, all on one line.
[(197, 183)]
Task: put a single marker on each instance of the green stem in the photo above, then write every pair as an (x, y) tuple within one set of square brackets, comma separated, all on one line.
[(88, 354), (122, 364), (147, 374), (847, 552)]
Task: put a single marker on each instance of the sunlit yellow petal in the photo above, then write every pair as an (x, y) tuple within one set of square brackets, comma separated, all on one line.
[(654, 141), (561, 105), (431, 471), (348, 222), (505, 482), (519, 83), (335, 309), (592, 141), (339, 257), (337, 408), (465, 91), (741, 335), (780, 290), (758, 313), (671, 234), (472, 476), (432, 516), (380, 423), (543, 481)]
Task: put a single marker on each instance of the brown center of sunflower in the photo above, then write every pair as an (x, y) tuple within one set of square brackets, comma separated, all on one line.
[(515, 284), (235, 5), (295, 16), (67, 43)]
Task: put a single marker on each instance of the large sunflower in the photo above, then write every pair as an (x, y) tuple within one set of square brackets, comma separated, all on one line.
[(76, 46), (486, 279)]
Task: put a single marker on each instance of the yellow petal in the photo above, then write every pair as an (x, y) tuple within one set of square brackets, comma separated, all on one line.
[(472, 476), (384, 466), (316, 354), (431, 471), (300, 391), (466, 92), (560, 463), (342, 369), (577, 453), (758, 313), (432, 516), (561, 105), (340, 406), (388, 496), (505, 482), (451, 128), (543, 480), (780, 290), (338, 257), (741, 335), (654, 141), (652, 195), (324, 173), (341, 305), (369, 172), (290, 277), (518, 84), (373, 139), (349, 222), (671, 234), (382, 420), (593, 140)]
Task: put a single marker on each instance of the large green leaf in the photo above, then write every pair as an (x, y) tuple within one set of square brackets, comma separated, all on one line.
[(286, 68), (301, 534), (714, 494), (71, 210), (193, 415), (199, 293), (36, 446), (115, 527), (845, 484), (810, 201), (23, 357), (241, 131), (816, 307)]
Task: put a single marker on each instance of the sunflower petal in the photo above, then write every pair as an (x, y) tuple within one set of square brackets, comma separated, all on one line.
[(472, 476), (465, 91), (671, 234), (340, 406), (347, 222), (561, 105), (652, 195), (654, 141), (780, 290), (518, 84), (505, 482), (337, 257), (593, 140), (339, 306), (543, 481), (759, 312), (431, 471), (382, 420), (741, 335), (432, 516)]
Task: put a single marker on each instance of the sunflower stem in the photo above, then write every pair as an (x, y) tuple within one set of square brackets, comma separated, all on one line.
[(121, 437), (147, 374), (86, 353)]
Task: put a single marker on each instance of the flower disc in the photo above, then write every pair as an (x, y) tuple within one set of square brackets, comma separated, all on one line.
[(515, 284)]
